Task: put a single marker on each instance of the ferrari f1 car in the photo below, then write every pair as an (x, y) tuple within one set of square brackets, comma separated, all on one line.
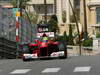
[(50, 49)]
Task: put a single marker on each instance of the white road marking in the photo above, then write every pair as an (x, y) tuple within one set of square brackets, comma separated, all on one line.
[(82, 69), (20, 71), (51, 70)]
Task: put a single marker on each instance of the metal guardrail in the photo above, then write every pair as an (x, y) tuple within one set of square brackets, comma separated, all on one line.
[(87, 48), (7, 48), (76, 47), (7, 55)]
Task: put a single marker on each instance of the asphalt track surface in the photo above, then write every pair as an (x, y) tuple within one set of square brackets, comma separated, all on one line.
[(77, 65)]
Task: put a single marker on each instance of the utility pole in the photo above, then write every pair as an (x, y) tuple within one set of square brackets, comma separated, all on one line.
[(45, 10), (76, 26), (85, 20)]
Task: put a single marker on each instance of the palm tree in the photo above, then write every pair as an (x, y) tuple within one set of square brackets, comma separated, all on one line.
[(45, 12)]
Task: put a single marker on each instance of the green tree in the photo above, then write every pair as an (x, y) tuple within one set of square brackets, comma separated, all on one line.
[(77, 14), (64, 16), (32, 16), (53, 24), (22, 3), (88, 42), (70, 39), (98, 35), (65, 37)]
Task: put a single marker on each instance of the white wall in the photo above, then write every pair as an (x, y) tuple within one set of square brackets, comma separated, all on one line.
[(94, 0), (96, 44), (41, 2)]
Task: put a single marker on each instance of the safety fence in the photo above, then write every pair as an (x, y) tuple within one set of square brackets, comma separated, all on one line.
[(7, 48), (27, 31)]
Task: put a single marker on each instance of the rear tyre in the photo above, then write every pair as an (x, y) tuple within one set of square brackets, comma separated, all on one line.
[(62, 47), (25, 60)]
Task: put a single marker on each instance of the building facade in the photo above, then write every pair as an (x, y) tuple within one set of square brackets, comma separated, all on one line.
[(53, 7), (57, 7), (92, 16)]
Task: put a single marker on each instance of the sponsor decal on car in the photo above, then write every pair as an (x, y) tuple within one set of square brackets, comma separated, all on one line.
[(57, 54)]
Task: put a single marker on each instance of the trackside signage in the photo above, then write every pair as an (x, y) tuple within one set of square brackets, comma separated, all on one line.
[(49, 34)]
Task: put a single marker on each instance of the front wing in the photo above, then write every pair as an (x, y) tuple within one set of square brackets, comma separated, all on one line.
[(35, 56)]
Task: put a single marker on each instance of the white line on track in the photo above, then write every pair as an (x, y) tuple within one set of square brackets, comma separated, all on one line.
[(82, 69), (20, 71), (51, 70)]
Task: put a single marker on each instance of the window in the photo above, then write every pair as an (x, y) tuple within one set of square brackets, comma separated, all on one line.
[(98, 15), (97, 29), (6, 0), (98, 43), (39, 8), (98, 19)]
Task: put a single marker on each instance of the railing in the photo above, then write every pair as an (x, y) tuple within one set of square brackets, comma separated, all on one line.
[(74, 50), (7, 42), (7, 48)]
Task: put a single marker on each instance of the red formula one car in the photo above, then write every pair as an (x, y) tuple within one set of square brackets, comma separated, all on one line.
[(50, 49)]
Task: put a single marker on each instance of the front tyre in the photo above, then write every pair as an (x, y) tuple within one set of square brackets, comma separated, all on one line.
[(63, 57)]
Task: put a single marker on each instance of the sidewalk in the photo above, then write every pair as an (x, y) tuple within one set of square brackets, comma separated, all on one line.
[(83, 52)]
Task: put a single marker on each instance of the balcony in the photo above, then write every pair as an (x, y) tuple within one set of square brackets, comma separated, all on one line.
[(41, 2), (93, 4), (95, 25), (4, 2)]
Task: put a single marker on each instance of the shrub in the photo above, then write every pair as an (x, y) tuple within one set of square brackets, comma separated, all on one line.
[(87, 43), (70, 37), (98, 35), (63, 38), (59, 38), (64, 16)]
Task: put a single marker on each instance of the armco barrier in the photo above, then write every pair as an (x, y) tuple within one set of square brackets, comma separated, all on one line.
[(7, 48)]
